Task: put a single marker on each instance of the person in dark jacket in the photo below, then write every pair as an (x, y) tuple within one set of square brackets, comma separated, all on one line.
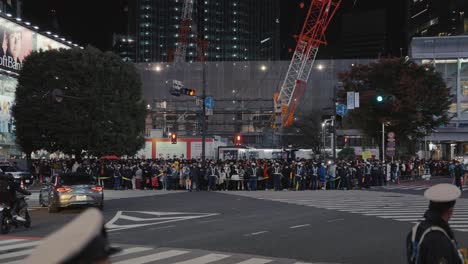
[(8, 190), (194, 176), (252, 175), (432, 241)]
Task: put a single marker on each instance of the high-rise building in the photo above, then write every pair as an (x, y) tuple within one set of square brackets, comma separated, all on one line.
[(11, 6), (437, 18), (235, 29)]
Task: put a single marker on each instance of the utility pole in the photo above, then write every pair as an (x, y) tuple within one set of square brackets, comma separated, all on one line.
[(203, 123), (202, 44)]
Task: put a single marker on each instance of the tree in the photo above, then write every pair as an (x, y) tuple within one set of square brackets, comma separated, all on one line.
[(415, 99), (346, 154), (74, 100)]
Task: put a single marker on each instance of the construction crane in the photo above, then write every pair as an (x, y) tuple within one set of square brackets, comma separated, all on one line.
[(185, 25), (312, 36)]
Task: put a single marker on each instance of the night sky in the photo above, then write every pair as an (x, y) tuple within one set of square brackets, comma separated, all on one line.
[(94, 21)]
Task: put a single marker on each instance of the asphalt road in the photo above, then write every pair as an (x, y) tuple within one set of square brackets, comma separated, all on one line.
[(278, 225)]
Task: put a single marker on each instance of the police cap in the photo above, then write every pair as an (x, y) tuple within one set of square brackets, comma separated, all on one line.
[(442, 193)]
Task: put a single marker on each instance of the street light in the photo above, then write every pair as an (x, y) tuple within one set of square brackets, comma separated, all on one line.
[(263, 68), (320, 67)]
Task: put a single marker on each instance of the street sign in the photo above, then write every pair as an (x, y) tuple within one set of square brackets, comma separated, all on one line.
[(209, 111), (209, 102), (391, 145), (341, 110), (356, 100), (350, 100)]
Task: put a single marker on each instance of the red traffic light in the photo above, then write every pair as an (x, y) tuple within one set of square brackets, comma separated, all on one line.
[(173, 138), (238, 140)]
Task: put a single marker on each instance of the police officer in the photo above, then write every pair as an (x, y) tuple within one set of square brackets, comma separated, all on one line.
[(277, 176), (432, 240), (74, 244)]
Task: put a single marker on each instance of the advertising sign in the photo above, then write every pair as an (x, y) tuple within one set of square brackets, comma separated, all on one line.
[(350, 100), (17, 42)]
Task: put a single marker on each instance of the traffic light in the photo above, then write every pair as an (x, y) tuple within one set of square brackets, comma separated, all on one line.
[(379, 98), (238, 140), (173, 138)]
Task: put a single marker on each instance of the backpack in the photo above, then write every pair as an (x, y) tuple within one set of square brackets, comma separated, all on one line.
[(415, 245)]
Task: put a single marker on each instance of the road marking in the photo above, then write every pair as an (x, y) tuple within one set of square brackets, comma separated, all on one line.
[(298, 226), (21, 245), (258, 233), (204, 259), (156, 218), (255, 261), (11, 241), (132, 250), (16, 254), (153, 257), (335, 220)]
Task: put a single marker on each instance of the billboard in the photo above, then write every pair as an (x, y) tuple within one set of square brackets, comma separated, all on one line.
[(17, 42)]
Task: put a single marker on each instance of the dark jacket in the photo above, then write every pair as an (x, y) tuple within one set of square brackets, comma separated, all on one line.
[(436, 247), (251, 174), (8, 189)]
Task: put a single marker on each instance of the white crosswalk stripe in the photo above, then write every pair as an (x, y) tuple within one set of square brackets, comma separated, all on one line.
[(13, 251), (411, 187), (393, 206)]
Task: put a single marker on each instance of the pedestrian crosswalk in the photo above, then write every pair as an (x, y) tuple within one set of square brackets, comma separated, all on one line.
[(13, 251), (384, 205), (404, 187)]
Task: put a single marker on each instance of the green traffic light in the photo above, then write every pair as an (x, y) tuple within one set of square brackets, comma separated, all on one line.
[(379, 98)]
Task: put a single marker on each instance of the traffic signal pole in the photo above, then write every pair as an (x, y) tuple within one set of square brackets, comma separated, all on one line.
[(203, 122)]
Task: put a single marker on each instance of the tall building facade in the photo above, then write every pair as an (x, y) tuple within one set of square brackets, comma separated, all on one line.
[(11, 6), (235, 29), (437, 18)]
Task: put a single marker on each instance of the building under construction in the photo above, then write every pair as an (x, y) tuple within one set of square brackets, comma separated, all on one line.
[(243, 94)]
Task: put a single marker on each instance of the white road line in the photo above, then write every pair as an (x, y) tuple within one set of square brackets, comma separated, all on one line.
[(392, 214), (258, 233), (132, 250), (153, 257), (298, 226), (21, 245), (255, 261), (9, 241), (204, 259), (16, 254)]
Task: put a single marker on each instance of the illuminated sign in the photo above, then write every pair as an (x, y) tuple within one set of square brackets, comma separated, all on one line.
[(17, 42)]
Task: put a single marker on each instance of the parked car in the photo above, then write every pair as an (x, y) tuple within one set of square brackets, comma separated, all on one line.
[(19, 175), (71, 189)]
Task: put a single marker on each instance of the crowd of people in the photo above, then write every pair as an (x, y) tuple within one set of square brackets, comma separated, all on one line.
[(180, 174)]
